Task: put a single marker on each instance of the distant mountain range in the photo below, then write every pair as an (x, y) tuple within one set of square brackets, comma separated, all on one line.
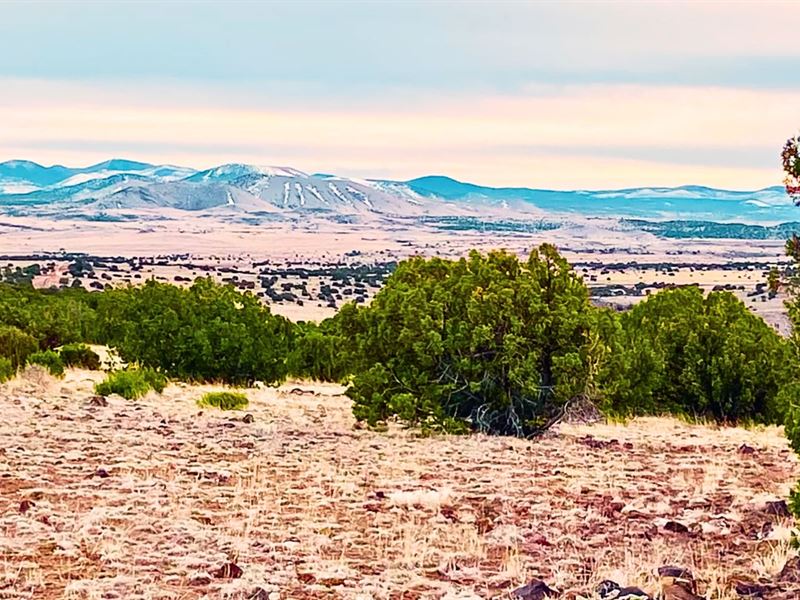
[(238, 189)]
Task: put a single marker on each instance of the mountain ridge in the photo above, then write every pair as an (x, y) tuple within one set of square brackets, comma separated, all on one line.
[(120, 183)]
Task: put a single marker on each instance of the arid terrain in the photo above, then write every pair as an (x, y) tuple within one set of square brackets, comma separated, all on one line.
[(157, 499), (352, 259)]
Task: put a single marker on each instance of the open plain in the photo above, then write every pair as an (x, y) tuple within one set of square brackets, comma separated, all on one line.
[(158, 499)]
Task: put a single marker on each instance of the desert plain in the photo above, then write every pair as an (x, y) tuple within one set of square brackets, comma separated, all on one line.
[(292, 499)]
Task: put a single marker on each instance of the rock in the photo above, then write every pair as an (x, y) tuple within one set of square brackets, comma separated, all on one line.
[(229, 571), (97, 401), (102, 473), (790, 572), (676, 527), (744, 449), (25, 506), (671, 575), (610, 590), (779, 508), (248, 418), (677, 592), (200, 579), (258, 594), (535, 590), (749, 589)]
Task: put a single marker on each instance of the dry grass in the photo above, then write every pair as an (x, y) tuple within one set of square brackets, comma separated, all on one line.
[(311, 507)]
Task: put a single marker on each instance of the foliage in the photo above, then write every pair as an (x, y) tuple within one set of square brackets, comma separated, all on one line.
[(7, 370), (131, 383), (680, 352), (53, 317), (80, 355), (774, 281), (790, 158), (486, 343), (207, 332), (50, 360), (224, 400), (321, 352), (16, 345)]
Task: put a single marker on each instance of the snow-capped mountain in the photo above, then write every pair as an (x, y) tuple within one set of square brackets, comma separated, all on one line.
[(30, 188), (21, 176)]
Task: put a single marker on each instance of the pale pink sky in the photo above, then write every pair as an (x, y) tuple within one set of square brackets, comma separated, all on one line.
[(556, 95)]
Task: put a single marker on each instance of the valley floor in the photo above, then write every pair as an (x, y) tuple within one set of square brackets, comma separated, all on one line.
[(152, 499)]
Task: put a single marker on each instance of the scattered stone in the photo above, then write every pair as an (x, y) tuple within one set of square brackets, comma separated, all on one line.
[(677, 576), (25, 506), (779, 508), (97, 401), (102, 473), (790, 572), (675, 527), (535, 590), (746, 450), (200, 579), (229, 571), (674, 591), (610, 590), (259, 594), (248, 418), (748, 589)]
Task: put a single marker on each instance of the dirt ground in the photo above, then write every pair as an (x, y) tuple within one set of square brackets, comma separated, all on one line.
[(152, 499)]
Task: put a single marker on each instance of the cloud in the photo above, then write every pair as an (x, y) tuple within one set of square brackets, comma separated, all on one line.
[(351, 48)]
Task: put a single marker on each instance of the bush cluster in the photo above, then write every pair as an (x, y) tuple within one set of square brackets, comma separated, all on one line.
[(493, 344), (131, 384), (7, 370), (81, 356), (486, 343), (223, 400), (48, 359), (681, 352), (16, 345), (207, 332)]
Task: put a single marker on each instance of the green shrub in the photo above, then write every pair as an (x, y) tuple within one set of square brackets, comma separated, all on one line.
[(53, 317), (131, 383), (320, 352), (7, 370), (684, 353), (207, 332), (49, 360), (16, 345), (80, 355), (486, 343), (224, 400)]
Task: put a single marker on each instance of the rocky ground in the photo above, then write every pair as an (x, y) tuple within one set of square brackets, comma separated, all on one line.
[(156, 499)]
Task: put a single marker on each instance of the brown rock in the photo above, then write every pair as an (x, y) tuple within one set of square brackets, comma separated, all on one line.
[(97, 401), (746, 450), (676, 527), (535, 590), (749, 589), (248, 418), (229, 571), (259, 594), (677, 576), (779, 508), (25, 506), (102, 473), (675, 591), (790, 572)]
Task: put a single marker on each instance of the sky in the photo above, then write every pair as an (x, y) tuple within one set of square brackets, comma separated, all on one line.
[(560, 95)]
